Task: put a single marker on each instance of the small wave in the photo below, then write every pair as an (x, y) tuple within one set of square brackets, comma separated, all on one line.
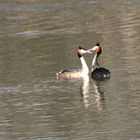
[(30, 33), (10, 89), (17, 17)]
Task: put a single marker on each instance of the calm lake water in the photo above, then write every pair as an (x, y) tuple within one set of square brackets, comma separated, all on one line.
[(37, 39)]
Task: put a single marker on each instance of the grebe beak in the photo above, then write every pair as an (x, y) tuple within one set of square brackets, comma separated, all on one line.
[(83, 50), (95, 48), (88, 51)]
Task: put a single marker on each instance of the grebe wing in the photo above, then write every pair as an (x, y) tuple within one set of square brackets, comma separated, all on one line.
[(71, 70), (102, 70), (100, 73)]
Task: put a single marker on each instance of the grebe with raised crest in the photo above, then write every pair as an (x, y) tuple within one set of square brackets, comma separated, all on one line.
[(76, 73), (98, 72)]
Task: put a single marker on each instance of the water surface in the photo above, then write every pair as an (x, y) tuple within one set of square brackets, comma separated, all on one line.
[(37, 39)]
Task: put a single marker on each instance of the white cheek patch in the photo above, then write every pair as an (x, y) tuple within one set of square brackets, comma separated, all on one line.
[(82, 51)]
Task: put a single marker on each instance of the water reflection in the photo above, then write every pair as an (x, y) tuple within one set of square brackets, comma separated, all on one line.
[(99, 95), (85, 91), (88, 98)]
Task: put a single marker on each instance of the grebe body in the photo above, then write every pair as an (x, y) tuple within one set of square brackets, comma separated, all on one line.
[(76, 73), (69, 73), (98, 72)]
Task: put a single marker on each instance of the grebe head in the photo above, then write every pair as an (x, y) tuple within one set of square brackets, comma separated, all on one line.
[(82, 51), (96, 48)]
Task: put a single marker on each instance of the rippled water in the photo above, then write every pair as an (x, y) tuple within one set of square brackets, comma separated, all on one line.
[(37, 39)]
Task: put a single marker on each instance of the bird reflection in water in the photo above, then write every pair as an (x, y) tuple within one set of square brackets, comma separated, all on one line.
[(85, 91), (88, 98), (99, 95)]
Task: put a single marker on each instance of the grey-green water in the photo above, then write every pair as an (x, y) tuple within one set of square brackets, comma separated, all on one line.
[(37, 39)]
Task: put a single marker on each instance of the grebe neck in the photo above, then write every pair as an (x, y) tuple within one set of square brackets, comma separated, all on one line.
[(95, 64), (85, 69)]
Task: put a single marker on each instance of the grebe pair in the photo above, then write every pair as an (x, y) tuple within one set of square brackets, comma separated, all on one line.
[(97, 72)]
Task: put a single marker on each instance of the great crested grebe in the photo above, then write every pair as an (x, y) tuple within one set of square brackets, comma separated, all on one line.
[(76, 73), (98, 72)]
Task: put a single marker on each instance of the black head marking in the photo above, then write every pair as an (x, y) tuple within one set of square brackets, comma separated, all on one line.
[(81, 48), (97, 44), (78, 52)]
